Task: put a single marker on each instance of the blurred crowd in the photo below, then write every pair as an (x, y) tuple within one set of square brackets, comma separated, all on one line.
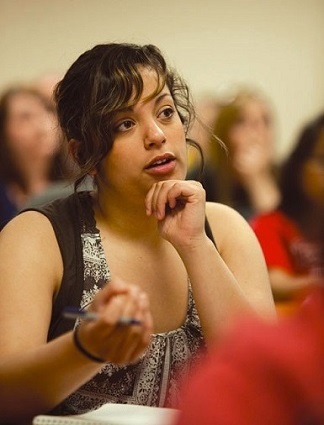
[(283, 200)]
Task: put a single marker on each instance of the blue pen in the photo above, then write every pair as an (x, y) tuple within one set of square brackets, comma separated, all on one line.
[(76, 313)]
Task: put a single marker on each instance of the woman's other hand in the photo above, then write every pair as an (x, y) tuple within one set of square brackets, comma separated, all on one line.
[(105, 338)]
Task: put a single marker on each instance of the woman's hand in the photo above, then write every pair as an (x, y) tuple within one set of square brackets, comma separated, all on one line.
[(179, 206), (105, 338)]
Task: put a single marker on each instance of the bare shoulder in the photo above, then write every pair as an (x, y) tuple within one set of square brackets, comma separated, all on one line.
[(216, 210), (29, 239), (30, 224), (241, 251), (226, 223), (31, 270)]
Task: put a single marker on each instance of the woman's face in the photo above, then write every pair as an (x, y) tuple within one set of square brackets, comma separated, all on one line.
[(313, 173), (31, 129), (149, 144), (253, 128)]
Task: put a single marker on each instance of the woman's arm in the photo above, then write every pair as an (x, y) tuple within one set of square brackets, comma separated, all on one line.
[(36, 375), (227, 282), (286, 286), (233, 281)]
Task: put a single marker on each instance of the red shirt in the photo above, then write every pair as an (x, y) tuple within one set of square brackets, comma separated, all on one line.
[(263, 374), (284, 246)]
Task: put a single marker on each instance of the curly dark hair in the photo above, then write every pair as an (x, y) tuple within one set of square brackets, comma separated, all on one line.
[(102, 81)]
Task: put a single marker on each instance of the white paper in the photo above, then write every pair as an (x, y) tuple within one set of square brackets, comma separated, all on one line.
[(114, 414)]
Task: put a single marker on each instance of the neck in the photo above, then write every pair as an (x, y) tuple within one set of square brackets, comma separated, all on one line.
[(36, 175), (36, 180), (125, 218)]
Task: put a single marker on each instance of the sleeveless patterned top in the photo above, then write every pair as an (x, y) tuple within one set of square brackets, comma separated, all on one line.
[(156, 379)]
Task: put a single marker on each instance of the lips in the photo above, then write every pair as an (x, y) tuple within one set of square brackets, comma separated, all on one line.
[(160, 161)]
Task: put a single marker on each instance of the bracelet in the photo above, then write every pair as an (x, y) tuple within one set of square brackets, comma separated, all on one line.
[(82, 350)]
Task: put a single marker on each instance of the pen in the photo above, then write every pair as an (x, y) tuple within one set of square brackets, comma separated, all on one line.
[(76, 313)]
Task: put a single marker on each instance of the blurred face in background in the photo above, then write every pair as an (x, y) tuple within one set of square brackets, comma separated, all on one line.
[(253, 129), (250, 138), (31, 129), (313, 173)]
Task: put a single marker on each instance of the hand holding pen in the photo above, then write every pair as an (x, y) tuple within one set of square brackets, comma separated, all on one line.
[(76, 313), (118, 327)]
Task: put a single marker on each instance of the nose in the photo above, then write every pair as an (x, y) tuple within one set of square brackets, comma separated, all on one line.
[(153, 135)]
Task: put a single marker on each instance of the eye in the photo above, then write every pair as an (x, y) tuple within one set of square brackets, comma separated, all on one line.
[(124, 126), (167, 113)]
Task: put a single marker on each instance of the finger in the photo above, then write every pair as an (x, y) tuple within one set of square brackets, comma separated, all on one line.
[(110, 313), (169, 197), (147, 321), (149, 199), (158, 198), (127, 342), (137, 349), (137, 338), (158, 191), (146, 336), (124, 341), (178, 194), (110, 290)]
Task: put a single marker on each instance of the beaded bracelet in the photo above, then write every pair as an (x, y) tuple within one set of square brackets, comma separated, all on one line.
[(82, 350)]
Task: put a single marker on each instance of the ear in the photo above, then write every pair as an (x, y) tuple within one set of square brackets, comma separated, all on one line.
[(74, 149), (74, 146)]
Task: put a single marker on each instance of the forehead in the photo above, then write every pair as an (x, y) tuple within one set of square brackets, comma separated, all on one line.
[(22, 101), (153, 84), (254, 106)]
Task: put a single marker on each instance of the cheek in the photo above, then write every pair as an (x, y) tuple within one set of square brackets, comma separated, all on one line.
[(14, 132), (234, 135), (238, 138), (21, 132), (182, 143), (313, 183), (117, 164), (18, 140)]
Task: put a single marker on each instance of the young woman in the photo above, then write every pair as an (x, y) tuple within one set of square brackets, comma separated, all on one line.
[(142, 231), (289, 235)]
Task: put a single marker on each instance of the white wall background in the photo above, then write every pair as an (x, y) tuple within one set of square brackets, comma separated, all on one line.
[(277, 45)]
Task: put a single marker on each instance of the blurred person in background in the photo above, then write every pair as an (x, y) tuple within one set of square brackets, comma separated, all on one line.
[(206, 109), (240, 172), (31, 154), (289, 234), (46, 83)]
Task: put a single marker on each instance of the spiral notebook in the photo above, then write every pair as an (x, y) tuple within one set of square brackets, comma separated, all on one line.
[(114, 414)]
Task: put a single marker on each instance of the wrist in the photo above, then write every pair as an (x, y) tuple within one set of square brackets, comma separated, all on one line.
[(79, 346)]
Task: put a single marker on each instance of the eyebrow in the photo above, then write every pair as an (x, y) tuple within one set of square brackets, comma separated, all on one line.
[(157, 99)]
